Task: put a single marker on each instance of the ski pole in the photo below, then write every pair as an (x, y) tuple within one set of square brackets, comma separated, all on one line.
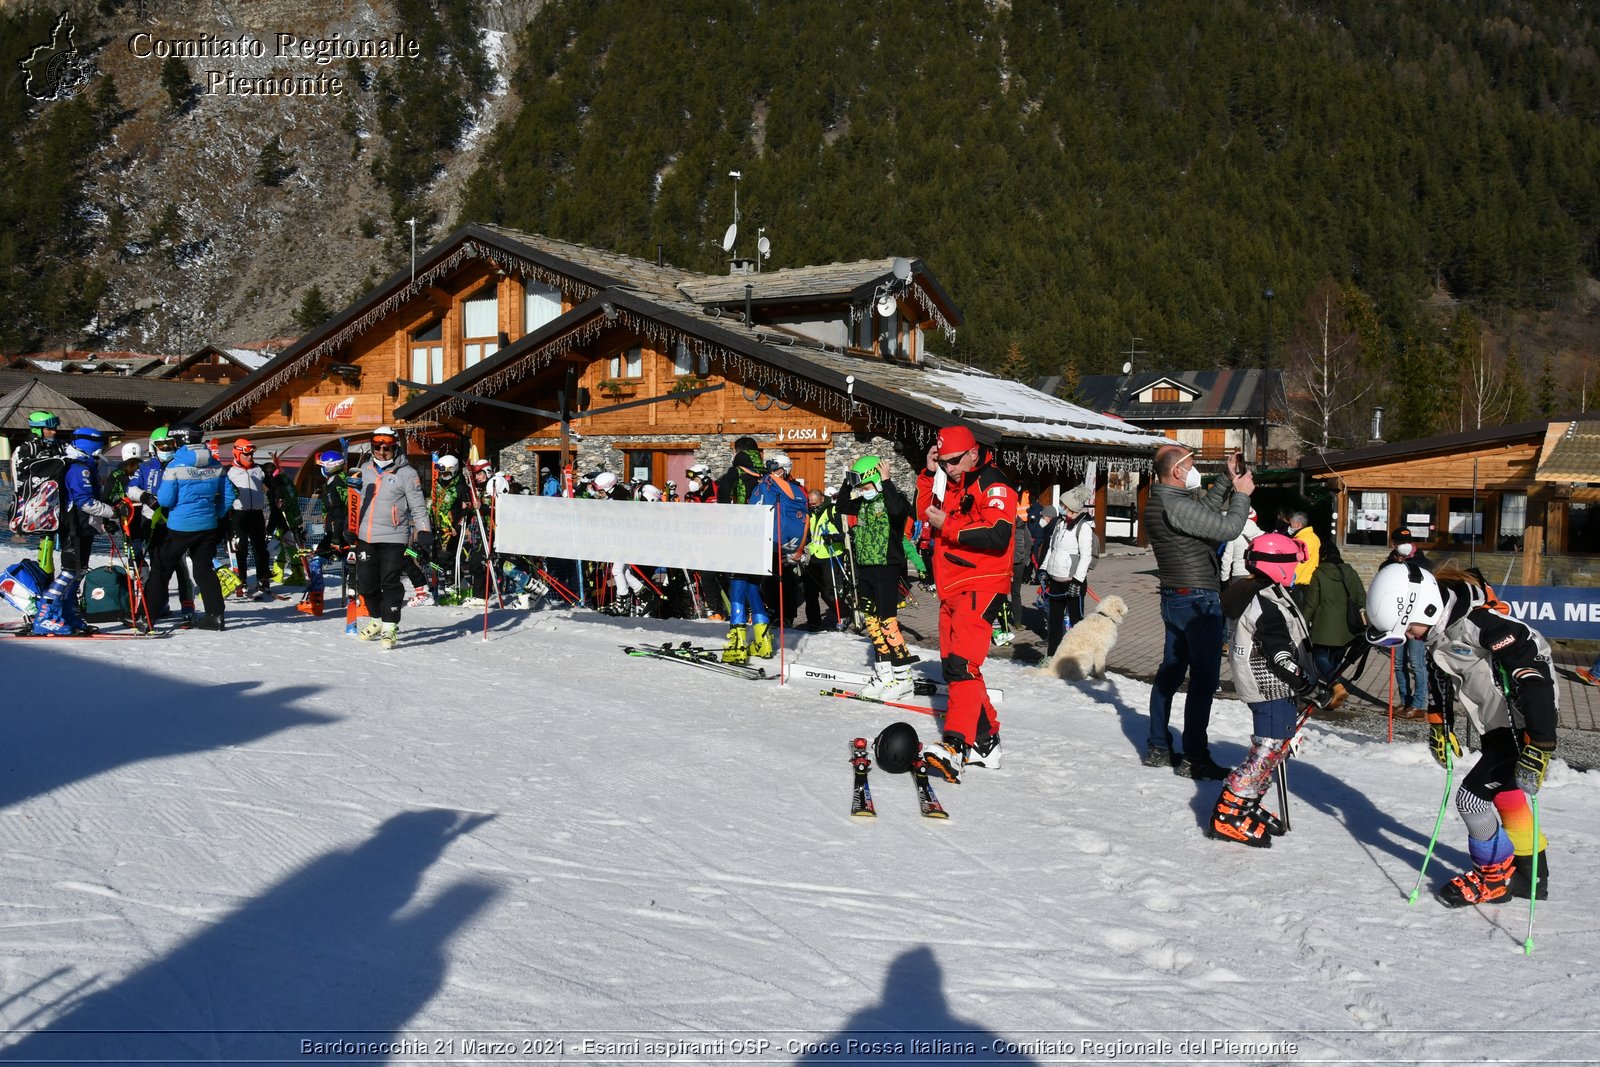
[(1533, 884), (1449, 779), (1283, 793)]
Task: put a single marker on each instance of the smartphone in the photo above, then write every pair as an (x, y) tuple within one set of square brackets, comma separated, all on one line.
[(1237, 465)]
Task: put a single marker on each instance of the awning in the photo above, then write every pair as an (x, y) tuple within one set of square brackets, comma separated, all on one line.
[(1571, 454)]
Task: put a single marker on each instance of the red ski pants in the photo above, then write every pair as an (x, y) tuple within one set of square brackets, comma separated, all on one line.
[(966, 628)]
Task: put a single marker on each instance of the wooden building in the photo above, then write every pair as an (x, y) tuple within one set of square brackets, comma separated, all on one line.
[(825, 362), (1214, 412), (1506, 489)]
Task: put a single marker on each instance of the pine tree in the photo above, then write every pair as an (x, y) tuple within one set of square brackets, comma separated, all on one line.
[(313, 310), (176, 81), (1014, 366), (1545, 401), (270, 162)]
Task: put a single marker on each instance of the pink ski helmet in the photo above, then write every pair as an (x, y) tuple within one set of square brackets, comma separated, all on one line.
[(1275, 556)]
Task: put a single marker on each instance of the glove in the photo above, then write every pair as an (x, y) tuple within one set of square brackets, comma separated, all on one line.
[(1442, 742), (1074, 587), (1318, 697), (422, 540), (1531, 765)]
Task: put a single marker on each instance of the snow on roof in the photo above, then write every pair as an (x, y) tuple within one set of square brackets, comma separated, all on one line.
[(1017, 409), (249, 357)]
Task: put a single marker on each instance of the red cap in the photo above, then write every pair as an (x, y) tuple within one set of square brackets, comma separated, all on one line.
[(954, 440)]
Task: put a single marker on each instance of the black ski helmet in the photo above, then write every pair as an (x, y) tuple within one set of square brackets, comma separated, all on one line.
[(897, 748), (184, 433)]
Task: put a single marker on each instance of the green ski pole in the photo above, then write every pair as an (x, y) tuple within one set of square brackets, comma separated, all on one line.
[(1449, 779), (1533, 885)]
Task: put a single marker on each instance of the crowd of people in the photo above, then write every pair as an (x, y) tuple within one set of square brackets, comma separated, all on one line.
[(1284, 607), (1289, 622)]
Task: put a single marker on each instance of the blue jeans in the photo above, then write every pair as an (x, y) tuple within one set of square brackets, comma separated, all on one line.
[(1411, 674), (1193, 622)]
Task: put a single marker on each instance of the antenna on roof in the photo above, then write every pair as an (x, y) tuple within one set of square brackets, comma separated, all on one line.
[(733, 231), (763, 247), (902, 268)]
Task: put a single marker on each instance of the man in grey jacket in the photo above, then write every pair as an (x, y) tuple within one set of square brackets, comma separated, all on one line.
[(1185, 527), (393, 517)]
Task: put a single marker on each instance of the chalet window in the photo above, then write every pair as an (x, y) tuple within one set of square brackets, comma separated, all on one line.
[(863, 330), (1513, 521), (685, 362), (1466, 520), (540, 304), (629, 364), (1368, 522), (480, 327), (427, 353), (1420, 515), (890, 341), (1165, 394), (640, 466)]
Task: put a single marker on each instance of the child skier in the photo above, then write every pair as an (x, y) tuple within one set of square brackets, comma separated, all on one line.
[(1274, 672), (1500, 667), (881, 511), (83, 513)]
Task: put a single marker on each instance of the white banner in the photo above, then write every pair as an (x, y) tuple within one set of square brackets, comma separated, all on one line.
[(707, 537)]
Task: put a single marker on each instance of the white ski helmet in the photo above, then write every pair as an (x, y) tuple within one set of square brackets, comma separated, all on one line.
[(1402, 595), (131, 450), (605, 481), (780, 461), (448, 464), (650, 493)]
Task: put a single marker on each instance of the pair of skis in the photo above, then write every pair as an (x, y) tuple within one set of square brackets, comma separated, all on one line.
[(705, 658), (853, 681), (861, 805)]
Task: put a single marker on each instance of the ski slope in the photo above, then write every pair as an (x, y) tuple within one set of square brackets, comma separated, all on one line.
[(279, 844)]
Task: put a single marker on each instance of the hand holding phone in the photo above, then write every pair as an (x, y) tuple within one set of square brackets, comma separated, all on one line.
[(1237, 464)]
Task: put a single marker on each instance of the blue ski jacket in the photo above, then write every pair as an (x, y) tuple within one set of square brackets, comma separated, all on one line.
[(191, 490)]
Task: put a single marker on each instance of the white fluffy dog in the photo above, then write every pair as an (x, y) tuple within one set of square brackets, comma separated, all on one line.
[(1083, 650)]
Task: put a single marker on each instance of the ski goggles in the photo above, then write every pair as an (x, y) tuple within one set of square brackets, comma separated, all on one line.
[(1392, 639), (386, 444)]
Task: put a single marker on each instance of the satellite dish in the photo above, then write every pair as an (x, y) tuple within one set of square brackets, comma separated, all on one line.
[(887, 306), (902, 268), (1127, 368), (764, 246), (728, 238)]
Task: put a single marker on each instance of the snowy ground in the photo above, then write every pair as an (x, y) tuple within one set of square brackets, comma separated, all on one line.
[(221, 847)]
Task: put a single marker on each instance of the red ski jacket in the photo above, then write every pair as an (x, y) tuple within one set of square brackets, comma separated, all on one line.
[(972, 551)]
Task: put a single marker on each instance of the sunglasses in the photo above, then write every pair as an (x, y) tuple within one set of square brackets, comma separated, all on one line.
[(383, 446), (951, 461)]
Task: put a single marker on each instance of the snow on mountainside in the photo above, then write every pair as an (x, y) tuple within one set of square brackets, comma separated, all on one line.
[(224, 846), (232, 264)]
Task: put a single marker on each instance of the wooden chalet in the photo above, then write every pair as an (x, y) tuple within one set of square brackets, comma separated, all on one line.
[(136, 405), (1214, 412), (825, 362), (1532, 488)]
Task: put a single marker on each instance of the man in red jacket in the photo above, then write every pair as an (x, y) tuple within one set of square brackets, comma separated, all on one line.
[(974, 524)]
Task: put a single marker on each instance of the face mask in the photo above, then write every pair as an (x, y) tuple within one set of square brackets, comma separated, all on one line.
[(165, 454), (1191, 480), (694, 485), (869, 494), (383, 462)]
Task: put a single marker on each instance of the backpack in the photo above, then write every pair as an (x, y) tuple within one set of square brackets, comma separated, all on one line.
[(105, 595), (22, 584), (41, 496)]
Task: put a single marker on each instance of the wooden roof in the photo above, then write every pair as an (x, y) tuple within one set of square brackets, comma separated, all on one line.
[(1571, 453), (1224, 394)]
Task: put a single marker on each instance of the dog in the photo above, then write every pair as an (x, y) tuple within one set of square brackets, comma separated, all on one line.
[(1083, 650)]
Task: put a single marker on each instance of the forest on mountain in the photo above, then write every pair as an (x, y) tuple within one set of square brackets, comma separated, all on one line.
[(1417, 184), (1090, 178)]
